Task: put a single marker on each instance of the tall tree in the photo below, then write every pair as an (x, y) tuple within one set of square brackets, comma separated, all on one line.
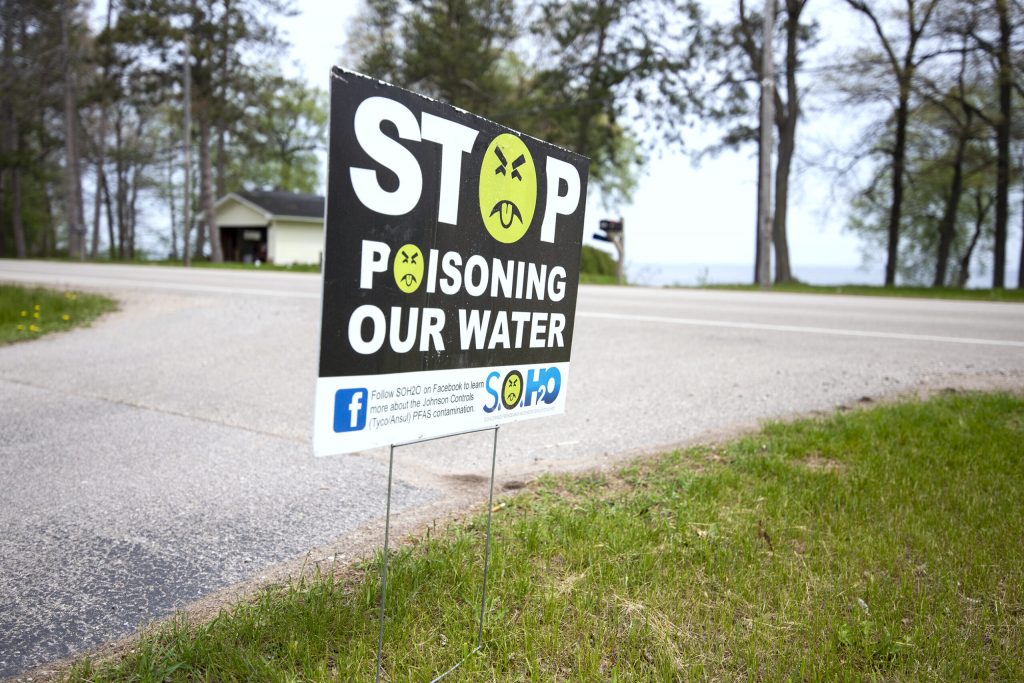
[(994, 29), (33, 118), (73, 208), (286, 127), (220, 33), (901, 55), (949, 189), (1003, 125), (603, 67), (611, 70), (735, 50)]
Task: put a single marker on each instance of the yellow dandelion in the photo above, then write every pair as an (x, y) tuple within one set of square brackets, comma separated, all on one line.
[(24, 314), (36, 315), (36, 307), (65, 317), (21, 328), (33, 328)]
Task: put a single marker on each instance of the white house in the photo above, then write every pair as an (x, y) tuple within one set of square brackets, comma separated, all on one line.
[(272, 227)]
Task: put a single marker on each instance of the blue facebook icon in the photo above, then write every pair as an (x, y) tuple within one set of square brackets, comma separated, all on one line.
[(350, 410)]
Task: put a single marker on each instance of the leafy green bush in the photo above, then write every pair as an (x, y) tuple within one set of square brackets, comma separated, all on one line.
[(597, 262)]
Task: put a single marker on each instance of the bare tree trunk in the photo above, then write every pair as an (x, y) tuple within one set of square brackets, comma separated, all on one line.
[(783, 270), (94, 248), (898, 162), (119, 178), (14, 176), (206, 182), (101, 148), (8, 111), (1020, 268), (72, 172), (1002, 145), (221, 166), (981, 210), (786, 121), (50, 227), (221, 124), (111, 242), (17, 220), (12, 145), (186, 229), (764, 181), (133, 215), (3, 202), (173, 208), (947, 228)]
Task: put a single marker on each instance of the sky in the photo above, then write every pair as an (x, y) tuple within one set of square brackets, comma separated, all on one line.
[(682, 213)]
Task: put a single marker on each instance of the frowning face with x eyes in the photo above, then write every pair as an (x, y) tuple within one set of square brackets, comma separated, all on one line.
[(508, 188)]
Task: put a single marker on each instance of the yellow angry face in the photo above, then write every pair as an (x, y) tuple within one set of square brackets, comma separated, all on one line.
[(511, 389), (408, 268), (508, 188)]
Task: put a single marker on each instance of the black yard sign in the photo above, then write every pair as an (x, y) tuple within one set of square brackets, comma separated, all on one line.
[(451, 268)]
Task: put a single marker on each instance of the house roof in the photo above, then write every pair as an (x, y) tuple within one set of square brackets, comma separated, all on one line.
[(286, 203)]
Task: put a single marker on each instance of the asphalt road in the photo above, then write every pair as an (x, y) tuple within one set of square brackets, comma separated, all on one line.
[(163, 454)]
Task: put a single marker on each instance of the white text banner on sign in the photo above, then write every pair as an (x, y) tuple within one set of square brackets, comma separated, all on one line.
[(451, 269)]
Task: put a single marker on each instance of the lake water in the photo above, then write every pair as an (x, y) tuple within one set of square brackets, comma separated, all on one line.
[(690, 274)]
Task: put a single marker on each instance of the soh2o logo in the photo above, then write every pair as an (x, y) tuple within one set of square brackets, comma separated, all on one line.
[(540, 386)]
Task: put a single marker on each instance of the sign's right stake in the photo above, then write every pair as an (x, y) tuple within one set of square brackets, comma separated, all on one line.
[(384, 565), (487, 542)]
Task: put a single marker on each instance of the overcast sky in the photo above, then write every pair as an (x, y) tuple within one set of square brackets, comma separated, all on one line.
[(681, 213)]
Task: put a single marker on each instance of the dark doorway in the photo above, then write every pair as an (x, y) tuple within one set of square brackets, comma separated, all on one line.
[(244, 245)]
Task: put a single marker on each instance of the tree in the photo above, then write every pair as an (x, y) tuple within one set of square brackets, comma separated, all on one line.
[(286, 127), (611, 72), (901, 61), (220, 32), (36, 37), (602, 66), (373, 39), (73, 210), (735, 49), (452, 50), (991, 31), (949, 171)]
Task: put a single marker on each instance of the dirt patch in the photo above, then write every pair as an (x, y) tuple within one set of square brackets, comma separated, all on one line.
[(816, 462), (466, 479)]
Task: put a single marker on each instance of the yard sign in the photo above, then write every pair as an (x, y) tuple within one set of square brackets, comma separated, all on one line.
[(451, 267)]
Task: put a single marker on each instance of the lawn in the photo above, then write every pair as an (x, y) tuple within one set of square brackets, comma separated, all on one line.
[(1012, 295), (881, 543), (30, 312)]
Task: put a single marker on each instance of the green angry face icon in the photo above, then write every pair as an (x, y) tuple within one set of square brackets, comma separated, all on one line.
[(511, 389), (408, 268), (508, 188)]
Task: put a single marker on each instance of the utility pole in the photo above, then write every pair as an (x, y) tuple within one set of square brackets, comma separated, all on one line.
[(187, 251), (764, 206)]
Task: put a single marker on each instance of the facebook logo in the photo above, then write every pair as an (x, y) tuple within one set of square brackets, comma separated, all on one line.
[(350, 410)]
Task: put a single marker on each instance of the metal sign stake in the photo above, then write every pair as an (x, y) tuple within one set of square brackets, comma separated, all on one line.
[(487, 554), (384, 564)]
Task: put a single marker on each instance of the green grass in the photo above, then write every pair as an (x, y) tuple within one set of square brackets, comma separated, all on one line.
[(1011, 295), (595, 279), (30, 312), (878, 544)]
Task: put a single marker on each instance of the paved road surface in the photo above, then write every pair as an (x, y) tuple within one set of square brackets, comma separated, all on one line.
[(163, 454)]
